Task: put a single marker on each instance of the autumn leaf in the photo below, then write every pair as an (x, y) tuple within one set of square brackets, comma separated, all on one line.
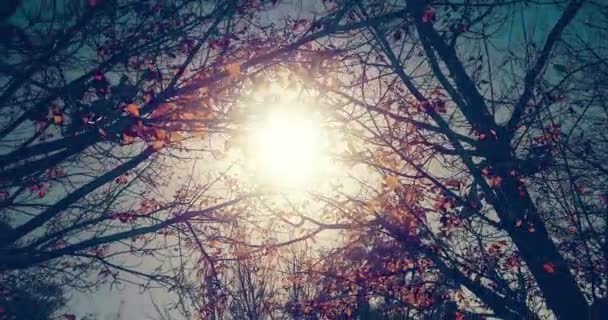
[(161, 110), (391, 182), (158, 144), (428, 15), (549, 267), (234, 70), (495, 182), (374, 205), (132, 109), (160, 134), (127, 139), (176, 137), (58, 120), (199, 133), (409, 195), (188, 116), (206, 114), (56, 115)]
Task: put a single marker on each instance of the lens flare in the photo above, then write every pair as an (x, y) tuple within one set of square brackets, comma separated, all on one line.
[(287, 148)]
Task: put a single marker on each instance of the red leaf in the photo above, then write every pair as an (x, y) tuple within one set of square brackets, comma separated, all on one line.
[(549, 267), (428, 15), (495, 181)]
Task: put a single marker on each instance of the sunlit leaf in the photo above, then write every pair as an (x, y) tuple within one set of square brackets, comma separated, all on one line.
[(132, 109), (234, 70), (188, 116), (374, 205), (161, 110), (176, 137), (495, 181), (127, 139), (57, 119), (160, 134), (158, 144), (391, 182)]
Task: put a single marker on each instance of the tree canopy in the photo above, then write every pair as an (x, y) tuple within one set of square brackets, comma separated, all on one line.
[(430, 159)]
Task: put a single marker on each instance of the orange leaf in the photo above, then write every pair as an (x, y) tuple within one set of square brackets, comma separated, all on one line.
[(391, 182), (206, 114), (176, 137), (374, 205), (549, 267), (161, 110), (495, 181), (57, 119), (188, 116), (234, 70), (158, 144), (160, 134), (132, 109), (127, 139), (199, 133)]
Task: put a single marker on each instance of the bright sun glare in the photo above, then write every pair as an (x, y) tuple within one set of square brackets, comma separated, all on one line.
[(288, 148), (286, 142)]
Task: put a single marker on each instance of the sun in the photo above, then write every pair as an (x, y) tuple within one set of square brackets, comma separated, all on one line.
[(284, 138), (287, 148)]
